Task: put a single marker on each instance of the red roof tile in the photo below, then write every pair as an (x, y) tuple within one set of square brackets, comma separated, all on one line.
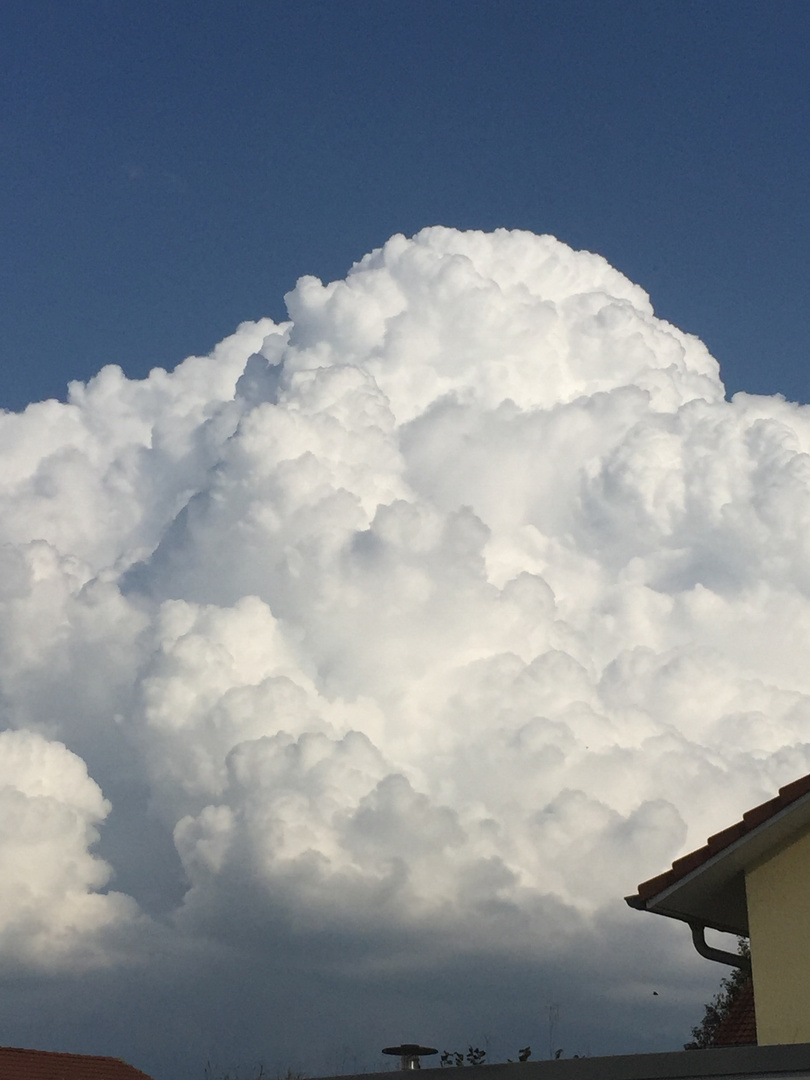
[(17, 1064), (739, 1026), (751, 820)]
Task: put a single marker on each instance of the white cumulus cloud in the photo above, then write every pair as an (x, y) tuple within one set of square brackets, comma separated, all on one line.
[(50, 904), (409, 634)]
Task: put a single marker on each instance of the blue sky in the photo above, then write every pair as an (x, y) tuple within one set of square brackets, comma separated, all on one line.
[(170, 169), (350, 681)]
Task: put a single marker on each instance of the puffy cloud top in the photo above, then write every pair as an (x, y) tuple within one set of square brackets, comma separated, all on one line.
[(462, 600)]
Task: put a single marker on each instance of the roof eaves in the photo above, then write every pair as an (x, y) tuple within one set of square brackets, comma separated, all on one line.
[(721, 845)]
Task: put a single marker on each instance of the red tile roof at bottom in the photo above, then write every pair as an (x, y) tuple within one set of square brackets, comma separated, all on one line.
[(17, 1064), (739, 1026)]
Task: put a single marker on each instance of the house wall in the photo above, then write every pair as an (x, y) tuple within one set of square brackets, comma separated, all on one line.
[(778, 893)]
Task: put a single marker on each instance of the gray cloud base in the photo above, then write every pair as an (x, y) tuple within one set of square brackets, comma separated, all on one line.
[(352, 674)]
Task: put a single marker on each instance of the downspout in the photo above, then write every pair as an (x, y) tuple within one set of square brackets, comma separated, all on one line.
[(720, 955)]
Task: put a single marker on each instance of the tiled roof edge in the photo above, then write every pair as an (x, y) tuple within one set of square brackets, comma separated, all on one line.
[(71, 1059), (751, 820)]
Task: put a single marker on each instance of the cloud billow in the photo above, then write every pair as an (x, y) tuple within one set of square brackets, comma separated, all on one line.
[(408, 634)]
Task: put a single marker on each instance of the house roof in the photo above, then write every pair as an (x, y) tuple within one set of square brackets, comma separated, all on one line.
[(18, 1064), (739, 1026), (707, 886)]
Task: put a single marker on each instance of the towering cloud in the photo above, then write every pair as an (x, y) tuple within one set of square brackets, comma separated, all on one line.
[(386, 650)]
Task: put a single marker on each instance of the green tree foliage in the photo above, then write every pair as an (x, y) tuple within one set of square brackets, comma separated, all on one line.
[(474, 1056), (720, 1006)]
